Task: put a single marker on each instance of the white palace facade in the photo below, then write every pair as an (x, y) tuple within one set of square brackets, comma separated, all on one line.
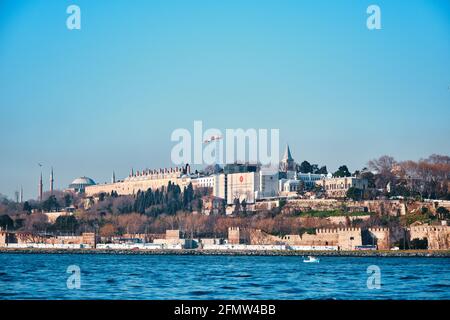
[(143, 180)]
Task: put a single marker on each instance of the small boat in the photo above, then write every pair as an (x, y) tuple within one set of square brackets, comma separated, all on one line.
[(311, 259)]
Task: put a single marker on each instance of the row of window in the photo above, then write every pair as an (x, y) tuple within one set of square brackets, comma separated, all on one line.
[(336, 186)]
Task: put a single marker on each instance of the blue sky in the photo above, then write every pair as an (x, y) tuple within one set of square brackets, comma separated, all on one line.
[(108, 96)]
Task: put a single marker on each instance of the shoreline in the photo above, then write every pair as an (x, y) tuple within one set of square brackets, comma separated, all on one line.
[(197, 252)]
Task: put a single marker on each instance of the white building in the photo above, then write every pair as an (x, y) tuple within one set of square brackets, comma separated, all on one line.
[(310, 179), (289, 186), (203, 181), (338, 187), (251, 186), (268, 183), (242, 186), (295, 181)]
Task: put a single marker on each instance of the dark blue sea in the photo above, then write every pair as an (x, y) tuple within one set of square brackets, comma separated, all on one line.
[(39, 276)]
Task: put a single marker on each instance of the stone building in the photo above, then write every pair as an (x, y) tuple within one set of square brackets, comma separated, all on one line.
[(338, 187), (143, 180)]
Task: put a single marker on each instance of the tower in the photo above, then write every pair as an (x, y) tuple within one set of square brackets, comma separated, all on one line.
[(41, 187), (51, 181), (113, 178), (21, 194), (287, 162)]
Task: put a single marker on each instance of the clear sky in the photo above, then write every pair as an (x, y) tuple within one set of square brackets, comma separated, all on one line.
[(108, 96)]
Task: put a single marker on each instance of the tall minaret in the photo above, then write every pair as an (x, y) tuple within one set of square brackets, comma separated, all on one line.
[(113, 178), (21, 194), (41, 188), (51, 182)]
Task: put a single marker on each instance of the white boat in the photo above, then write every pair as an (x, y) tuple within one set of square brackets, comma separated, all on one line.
[(311, 259)]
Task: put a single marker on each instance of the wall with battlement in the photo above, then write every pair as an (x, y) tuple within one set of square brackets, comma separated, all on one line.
[(381, 238), (148, 179), (438, 236), (234, 235), (344, 238), (23, 238), (349, 238), (3, 240)]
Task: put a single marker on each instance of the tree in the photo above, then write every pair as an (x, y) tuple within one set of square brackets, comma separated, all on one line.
[(323, 170), (369, 176), (6, 222), (342, 172), (443, 213), (244, 206), (26, 207), (50, 204), (305, 167), (314, 168), (428, 177), (384, 170), (419, 244), (36, 222), (108, 230), (237, 206), (67, 200), (132, 223), (354, 193), (66, 224), (382, 165)]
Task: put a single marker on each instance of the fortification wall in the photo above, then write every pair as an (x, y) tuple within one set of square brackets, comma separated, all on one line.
[(349, 238), (438, 236), (382, 207), (3, 236), (234, 235), (24, 238), (266, 205), (381, 237), (258, 237), (344, 238), (343, 220)]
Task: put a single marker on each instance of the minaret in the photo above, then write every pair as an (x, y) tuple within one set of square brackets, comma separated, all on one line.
[(51, 182), (21, 194), (41, 188), (113, 178)]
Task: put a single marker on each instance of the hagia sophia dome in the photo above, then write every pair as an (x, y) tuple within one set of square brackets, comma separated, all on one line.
[(79, 184)]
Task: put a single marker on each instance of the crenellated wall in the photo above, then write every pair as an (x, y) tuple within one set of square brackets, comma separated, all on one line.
[(144, 180), (344, 238), (438, 236), (381, 238), (234, 236)]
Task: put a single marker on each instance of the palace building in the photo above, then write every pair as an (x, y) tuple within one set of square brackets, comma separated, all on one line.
[(142, 181)]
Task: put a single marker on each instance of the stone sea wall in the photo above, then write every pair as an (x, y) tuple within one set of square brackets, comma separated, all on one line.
[(408, 253)]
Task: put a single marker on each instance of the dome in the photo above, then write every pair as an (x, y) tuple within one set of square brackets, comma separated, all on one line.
[(83, 181)]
